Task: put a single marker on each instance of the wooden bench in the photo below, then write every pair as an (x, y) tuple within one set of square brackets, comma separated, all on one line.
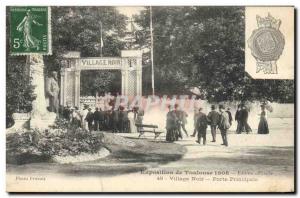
[(152, 129)]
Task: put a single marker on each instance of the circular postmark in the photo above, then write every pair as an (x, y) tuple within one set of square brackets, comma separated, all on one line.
[(266, 44)]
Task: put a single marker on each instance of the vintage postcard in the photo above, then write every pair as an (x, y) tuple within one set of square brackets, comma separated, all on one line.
[(150, 99)]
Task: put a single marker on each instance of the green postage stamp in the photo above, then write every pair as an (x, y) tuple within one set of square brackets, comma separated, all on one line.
[(30, 30)]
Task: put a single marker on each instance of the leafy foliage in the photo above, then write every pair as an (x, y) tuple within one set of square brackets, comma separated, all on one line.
[(203, 47), (52, 142), (93, 82), (78, 29), (19, 92)]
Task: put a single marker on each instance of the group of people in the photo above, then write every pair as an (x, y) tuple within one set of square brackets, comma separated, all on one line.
[(176, 121), (222, 120), (241, 116), (117, 120), (122, 120)]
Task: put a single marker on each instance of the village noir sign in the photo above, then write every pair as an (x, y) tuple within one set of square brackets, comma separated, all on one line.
[(98, 62)]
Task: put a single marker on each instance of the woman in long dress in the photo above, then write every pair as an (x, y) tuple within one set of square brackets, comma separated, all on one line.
[(26, 26), (132, 127), (171, 127), (263, 127), (139, 115)]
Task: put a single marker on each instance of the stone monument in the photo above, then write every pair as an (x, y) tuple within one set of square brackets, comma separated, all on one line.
[(40, 117)]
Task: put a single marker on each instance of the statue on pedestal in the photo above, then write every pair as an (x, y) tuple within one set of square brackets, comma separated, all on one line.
[(39, 117), (52, 90)]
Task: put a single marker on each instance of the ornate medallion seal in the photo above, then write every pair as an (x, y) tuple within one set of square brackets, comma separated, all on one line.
[(266, 44)]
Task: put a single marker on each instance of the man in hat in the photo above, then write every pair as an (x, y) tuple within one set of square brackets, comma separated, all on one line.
[(238, 119), (178, 122), (213, 119), (171, 125), (75, 117), (52, 90), (201, 126), (67, 112), (123, 120), (83, 114), (229, 116), (182, 116), (89, 118), (115, 120), (97, 118), (244, 120), (196, 113), (223, 124)]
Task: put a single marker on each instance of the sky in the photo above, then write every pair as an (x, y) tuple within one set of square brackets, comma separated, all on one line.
[(129, 11)]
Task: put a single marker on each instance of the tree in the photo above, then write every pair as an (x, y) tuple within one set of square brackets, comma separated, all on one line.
[(104, 81), (19, 91), (203, 47), (78, 29)]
